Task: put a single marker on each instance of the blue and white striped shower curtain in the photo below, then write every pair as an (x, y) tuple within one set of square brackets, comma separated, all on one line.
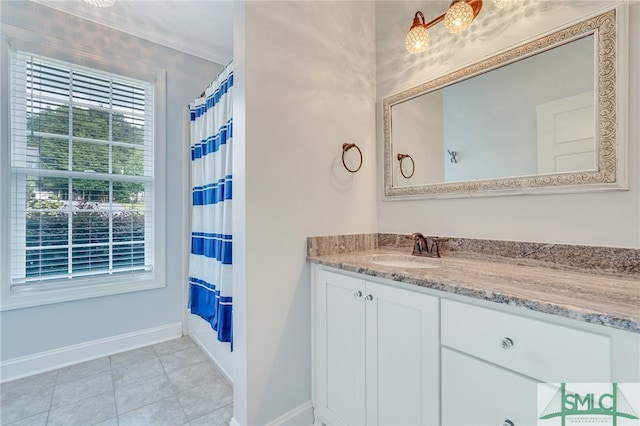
[(210, 266)]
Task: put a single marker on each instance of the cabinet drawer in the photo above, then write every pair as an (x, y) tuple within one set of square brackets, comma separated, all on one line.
[(547, 352), (480, 394)]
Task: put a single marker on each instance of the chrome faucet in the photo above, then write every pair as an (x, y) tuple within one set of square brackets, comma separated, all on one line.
[(426, 246)]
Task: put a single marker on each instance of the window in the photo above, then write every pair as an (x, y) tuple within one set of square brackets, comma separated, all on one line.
[(82, 177)]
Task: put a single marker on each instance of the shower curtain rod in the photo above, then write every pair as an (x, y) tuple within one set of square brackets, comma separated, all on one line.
[(214, 79)]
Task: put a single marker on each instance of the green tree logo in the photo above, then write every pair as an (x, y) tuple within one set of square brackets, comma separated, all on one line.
[(588, 405)]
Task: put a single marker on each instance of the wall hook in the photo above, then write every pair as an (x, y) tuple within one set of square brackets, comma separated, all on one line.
[(346, 147), (401, 158), (453, 155)]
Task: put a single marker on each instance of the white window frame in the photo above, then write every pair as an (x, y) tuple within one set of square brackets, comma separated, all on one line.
[(79, 288)]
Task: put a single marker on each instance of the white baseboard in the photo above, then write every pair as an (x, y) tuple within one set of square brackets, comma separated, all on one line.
[(51, 360), (207, 351), (302, 415)]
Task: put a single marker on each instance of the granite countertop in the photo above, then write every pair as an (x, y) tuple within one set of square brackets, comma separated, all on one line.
[(608, 299)]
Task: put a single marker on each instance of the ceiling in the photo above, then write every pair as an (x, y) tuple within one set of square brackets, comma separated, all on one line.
[(202, 28)]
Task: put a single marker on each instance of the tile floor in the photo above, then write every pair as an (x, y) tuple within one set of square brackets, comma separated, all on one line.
[(171, 383)]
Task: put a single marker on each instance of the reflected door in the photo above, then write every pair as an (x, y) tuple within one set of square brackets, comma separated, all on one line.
[(566, 134)]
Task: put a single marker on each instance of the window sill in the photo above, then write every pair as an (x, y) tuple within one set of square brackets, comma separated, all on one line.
[(26, 299)]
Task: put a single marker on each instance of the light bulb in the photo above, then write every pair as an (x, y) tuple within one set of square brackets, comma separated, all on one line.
[(459, 17), (417, 39)]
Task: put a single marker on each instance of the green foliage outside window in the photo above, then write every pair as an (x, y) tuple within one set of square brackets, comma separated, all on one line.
[(53, 152)]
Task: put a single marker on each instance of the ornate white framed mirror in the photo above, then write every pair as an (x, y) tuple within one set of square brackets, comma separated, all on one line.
[(546, 116)]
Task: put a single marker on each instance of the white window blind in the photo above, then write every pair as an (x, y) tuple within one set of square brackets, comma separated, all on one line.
[(81, 174)]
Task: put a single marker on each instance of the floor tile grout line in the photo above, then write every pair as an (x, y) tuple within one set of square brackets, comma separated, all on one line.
[(202, 386), (173, 388), (160, 359), (23, 393), (213, 411), (84, 398), (173, 353), (165, 376), (53, 392), (146, 405), (20, 418), (182, 408), (84, 376), (175, 392), (177, 344), (113, 387), (140, 379)]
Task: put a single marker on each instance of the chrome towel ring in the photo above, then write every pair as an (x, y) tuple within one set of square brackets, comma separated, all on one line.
[(346, 147), (401, 158)]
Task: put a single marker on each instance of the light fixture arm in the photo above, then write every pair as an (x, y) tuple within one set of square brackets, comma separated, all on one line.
[(416, 20), (435, 21)]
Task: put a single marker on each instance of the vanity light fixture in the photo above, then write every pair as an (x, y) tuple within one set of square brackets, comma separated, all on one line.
[(101, 3), (457, 18)]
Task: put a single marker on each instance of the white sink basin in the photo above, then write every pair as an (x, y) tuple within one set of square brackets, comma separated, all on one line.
[(404, 261)]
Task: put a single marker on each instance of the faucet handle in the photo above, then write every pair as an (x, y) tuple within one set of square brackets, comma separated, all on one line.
[(434, 243), (419, 243)]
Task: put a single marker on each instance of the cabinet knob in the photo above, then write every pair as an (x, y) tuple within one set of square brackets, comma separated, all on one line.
[(368, 298), (507, 423), (505, 344), (357, 294)]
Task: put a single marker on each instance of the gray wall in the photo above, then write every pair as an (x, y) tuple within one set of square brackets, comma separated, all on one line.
[(306, 87), (32, 330)]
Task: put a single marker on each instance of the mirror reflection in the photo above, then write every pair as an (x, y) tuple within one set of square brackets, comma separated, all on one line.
[(530, 117)]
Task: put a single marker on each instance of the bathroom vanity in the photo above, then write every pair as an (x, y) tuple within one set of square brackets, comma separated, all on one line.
[(463, 339)]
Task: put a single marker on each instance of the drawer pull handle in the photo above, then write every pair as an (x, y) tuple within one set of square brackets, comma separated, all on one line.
[(507, 423), (357, 294), (368, 298), (505, 344)]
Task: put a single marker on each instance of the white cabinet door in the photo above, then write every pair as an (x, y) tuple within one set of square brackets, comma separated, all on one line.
[(376, 355), (340, 349), (481, 394), (402, 357)]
